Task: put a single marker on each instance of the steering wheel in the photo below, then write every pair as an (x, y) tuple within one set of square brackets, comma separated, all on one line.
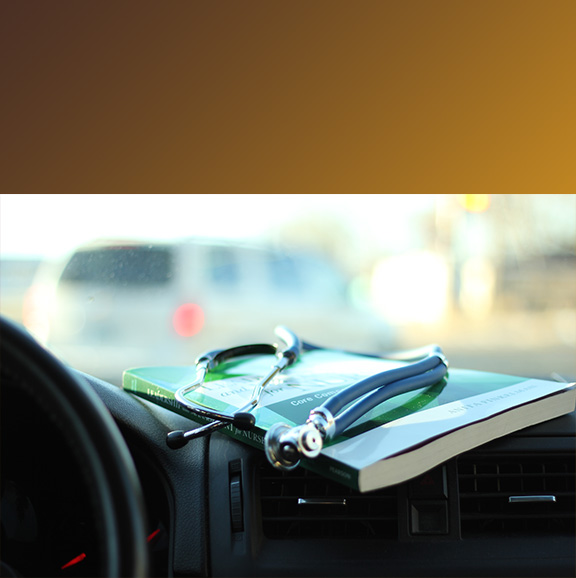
[(68, 418)]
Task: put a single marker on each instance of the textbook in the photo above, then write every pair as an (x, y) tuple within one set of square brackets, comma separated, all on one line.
[(401, 438)]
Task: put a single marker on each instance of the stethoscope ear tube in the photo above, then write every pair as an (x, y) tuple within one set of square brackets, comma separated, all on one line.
[(242, 419), (179, 438), (385, 392), (214, 358), (383, 379)]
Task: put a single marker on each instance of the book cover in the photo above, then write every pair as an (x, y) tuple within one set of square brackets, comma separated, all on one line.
[(399, 439)]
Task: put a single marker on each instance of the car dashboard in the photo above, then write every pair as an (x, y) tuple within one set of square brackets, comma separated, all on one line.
[(504, 509), (217, 508)]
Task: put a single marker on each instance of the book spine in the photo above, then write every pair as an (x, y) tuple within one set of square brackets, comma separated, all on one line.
[(165, 397), (154, 393)]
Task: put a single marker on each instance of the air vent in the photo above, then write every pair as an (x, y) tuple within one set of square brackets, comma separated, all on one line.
[(515, 494), (300, 504)]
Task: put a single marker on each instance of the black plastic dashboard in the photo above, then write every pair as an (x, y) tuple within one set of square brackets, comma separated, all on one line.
[(226, 513)]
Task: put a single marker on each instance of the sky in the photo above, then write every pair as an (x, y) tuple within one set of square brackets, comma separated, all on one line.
[(51, 225), (323, 97)]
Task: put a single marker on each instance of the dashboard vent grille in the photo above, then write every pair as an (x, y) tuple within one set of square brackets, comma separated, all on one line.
[(541, 487), (301, 504)]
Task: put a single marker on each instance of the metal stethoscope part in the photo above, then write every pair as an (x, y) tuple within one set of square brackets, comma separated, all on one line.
[(285, 446), (242, 418)]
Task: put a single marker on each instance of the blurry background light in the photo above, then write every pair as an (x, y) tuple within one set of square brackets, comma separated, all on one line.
[(411, 288), (188, 319), (474, 203)]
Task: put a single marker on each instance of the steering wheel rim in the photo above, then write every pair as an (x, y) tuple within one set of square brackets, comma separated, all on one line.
[(105, 456)]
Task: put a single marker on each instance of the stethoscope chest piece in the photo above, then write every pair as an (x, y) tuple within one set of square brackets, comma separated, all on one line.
[(284, 445)]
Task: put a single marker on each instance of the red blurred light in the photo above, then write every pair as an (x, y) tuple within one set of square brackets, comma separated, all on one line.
[(188, 319)]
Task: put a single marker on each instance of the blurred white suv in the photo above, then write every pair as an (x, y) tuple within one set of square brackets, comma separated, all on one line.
[(117, 304)]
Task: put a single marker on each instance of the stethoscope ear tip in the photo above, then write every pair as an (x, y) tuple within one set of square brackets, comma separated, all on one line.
[(244, 420), (176, 439)]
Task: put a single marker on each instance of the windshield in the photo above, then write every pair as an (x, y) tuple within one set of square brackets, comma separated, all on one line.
[(490, 278)]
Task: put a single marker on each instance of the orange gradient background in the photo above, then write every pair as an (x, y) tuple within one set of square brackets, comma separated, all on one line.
[(288, 97)]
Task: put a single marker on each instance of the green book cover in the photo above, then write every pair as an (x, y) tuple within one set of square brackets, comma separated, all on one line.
[(399, 439)]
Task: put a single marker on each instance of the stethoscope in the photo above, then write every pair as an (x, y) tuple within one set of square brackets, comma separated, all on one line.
[(285, 445), (242, 419)]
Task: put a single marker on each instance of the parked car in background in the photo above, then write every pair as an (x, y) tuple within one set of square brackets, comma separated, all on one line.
[(111, 304)]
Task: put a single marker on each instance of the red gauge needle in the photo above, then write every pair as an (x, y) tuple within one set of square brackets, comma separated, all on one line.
[(81, 557), (153, 535), (74, 561)]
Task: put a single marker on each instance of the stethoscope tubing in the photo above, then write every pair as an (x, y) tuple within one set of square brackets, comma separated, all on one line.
[(378, 381), (403, 380)]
